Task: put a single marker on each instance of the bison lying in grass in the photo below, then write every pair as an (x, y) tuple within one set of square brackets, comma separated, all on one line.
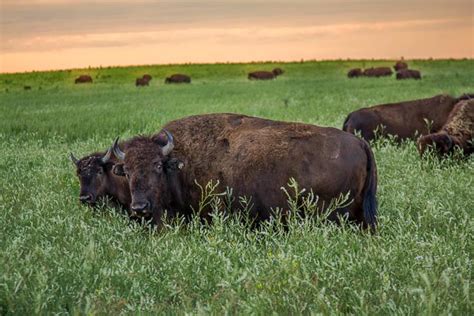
[(178, 78), (83, 79), (408, 74)]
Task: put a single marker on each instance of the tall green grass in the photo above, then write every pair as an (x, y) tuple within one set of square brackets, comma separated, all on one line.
[(57, 256)]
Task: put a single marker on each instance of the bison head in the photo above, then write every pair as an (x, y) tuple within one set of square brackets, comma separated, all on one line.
[(441, 142), (92, 173), (152, 174)]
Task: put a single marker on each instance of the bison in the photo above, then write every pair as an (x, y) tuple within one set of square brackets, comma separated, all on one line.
[(261, 75), (255, 157), (83, 79), (98, 181), (408, 74), (377, 72), (405, 120), (354, 73), (147, 77), (277, 72), (178, 78), (142, 82), (400, 65), (457, 131)]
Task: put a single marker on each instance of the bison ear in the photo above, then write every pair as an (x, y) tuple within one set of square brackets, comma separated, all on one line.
[(117, 169)]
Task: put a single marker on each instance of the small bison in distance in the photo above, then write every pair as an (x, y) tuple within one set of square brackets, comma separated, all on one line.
[(142, 82), (355, 73), (261, 75), (255, 157), (378, 72), (147, 77), (277, 72), (406, 120), (408, 74), (458, 131), (178, 78), (83, 79), (400, 65)]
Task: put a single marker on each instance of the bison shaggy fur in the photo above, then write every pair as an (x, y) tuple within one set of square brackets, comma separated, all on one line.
[(458, 131)]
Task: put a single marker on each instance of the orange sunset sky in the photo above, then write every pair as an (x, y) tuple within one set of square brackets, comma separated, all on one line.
[(59, 34)]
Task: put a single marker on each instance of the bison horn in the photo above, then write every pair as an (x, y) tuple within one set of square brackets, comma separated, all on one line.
[(166, 149), (107, 155), (117, 151), (73, 158)]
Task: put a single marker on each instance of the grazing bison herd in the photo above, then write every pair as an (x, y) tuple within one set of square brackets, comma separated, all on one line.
[(400, 67), (161, 176)]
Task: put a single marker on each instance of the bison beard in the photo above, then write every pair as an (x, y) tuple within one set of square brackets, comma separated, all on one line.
[(255, 157)]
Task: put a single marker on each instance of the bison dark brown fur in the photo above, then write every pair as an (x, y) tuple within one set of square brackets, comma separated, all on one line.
[(83, 79), (400, 65), (408, 74), (261, 75), (141, 82), (378, 72), (405, 120), (354, 73), (255, 157), (457, 131), (178, 78), (277, 72)]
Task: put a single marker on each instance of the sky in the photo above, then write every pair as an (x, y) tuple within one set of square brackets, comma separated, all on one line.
[(63, 34)]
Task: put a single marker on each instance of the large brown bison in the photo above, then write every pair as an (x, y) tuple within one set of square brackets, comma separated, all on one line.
[(377, 72), (354, 73), (458, 131), (408, 74), (83, 79), (255, 157), (261, 75), (178, 78), (405, 120), (98, 181), (399, 65)]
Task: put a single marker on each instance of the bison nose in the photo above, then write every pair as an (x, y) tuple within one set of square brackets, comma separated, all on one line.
[(86, 198), (140, 207)]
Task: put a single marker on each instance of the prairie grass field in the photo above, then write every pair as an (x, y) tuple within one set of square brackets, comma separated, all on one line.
[(59, 257)]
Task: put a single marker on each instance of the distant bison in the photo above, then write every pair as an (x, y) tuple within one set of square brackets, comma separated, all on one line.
[(141, 82), (354, 73), (408, 74), (277, 72), (404, 119), (178, 78), (261, 75), (378, 72), (458, 131), (83, 79), (400, 65), (255, 157), (147, 77)]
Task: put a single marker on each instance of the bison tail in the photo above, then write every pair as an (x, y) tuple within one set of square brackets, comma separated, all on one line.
[(369, 204)]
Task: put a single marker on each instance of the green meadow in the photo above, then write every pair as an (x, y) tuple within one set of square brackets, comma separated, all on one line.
[(59, 257)]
